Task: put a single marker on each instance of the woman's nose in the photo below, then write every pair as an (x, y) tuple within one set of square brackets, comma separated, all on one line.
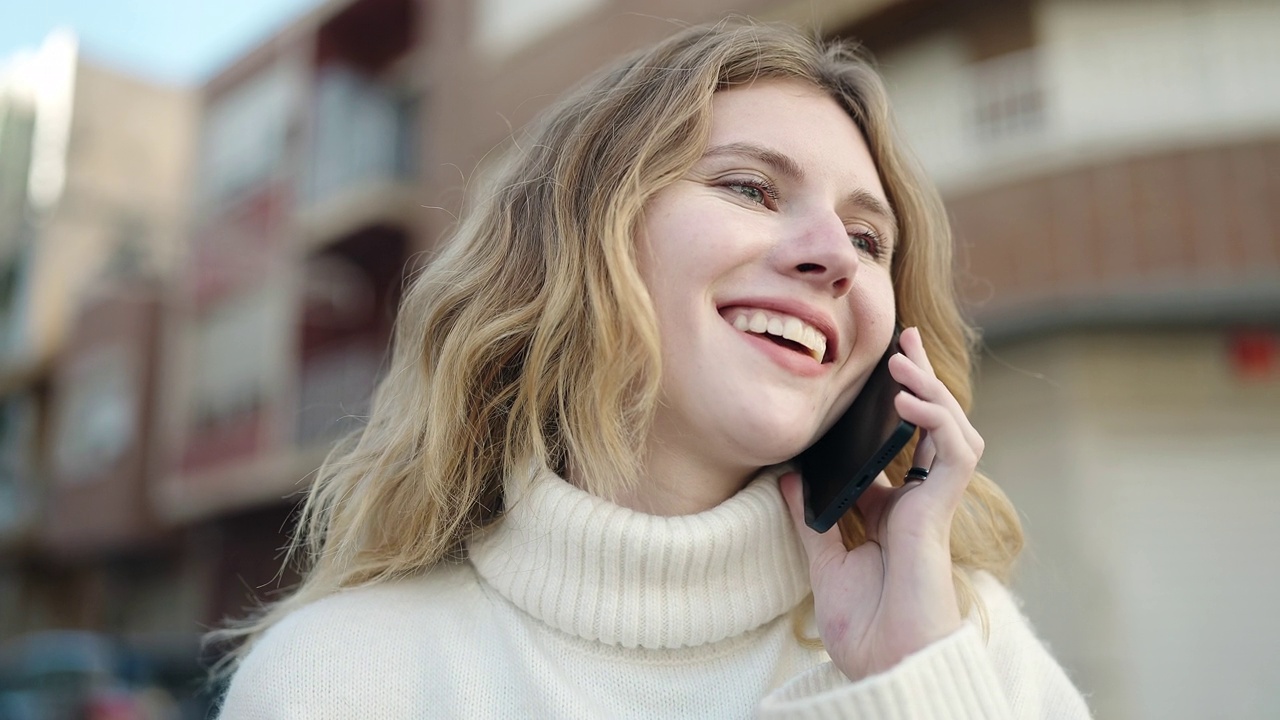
[(820, 253)]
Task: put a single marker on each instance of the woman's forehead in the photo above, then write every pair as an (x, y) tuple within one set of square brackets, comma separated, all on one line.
[(795, 129)]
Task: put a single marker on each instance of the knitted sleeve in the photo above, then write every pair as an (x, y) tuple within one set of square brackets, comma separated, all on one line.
[(1008, 675)]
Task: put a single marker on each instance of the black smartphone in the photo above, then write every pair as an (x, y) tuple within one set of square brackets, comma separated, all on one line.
[(847, 458)]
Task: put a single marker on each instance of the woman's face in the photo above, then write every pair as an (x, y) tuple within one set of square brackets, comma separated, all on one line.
[(768, 265)]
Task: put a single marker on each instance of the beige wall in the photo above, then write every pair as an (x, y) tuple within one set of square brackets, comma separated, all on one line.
[(1148, 476), (128, 171)]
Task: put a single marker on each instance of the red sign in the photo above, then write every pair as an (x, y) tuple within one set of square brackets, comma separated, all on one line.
[(1255, 354)]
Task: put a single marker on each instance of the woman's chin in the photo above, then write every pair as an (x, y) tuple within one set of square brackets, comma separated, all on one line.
[(775, 448)]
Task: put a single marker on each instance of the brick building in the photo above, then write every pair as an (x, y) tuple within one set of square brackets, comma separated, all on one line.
[(1113, 174), (96, 166)]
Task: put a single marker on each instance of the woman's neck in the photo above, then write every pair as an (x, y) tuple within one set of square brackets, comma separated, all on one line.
[(678, 484)]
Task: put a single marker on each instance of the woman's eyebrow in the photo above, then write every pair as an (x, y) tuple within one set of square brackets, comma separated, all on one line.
[(866, 201), (778, 162), (790, 169)]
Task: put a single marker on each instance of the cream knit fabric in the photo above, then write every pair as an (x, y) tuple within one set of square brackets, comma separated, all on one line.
[(574, 607)]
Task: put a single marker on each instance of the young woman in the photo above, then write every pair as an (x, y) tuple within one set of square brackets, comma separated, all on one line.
[(572, 496)]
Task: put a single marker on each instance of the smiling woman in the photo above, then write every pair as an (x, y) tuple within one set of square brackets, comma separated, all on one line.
[(572, 497), (781, 222)]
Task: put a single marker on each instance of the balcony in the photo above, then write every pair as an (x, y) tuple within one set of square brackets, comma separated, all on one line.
[(361, 157), (1119, 172), (248, 137), (1107, 81)]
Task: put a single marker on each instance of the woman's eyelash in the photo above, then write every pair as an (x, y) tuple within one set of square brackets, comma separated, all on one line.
[(874, 246), (765, 187)]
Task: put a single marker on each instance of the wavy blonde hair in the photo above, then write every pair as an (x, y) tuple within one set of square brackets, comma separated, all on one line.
[(532, 338)]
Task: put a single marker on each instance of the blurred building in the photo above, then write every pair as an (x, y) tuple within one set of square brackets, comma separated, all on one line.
[(197, 296), (1113, 173), (306, 211), (94, 167)]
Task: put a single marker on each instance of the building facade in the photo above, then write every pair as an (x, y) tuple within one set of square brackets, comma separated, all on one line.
[(1113, 175), (95, 168)]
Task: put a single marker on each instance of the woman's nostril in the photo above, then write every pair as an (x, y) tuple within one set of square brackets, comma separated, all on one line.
[(809, 267)]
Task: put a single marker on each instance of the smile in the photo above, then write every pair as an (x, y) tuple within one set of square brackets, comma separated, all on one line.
[(785, 330)]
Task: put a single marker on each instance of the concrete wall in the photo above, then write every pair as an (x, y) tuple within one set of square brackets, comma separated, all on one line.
[(128, 167), (1145, 467)]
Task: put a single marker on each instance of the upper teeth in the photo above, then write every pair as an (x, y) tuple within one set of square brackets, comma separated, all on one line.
[(784, 326)]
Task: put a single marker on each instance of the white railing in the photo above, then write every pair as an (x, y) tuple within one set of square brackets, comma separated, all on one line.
[(364, 133), (246, 135), (1103, 83)]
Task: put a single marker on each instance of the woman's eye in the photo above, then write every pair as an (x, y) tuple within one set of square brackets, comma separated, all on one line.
[(750, 192), (866, 241), (755, 191)]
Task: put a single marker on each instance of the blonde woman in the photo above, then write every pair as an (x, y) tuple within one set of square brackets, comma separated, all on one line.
[(567, 501)]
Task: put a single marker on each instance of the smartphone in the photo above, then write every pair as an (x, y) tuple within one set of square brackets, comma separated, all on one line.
[(847, 458)]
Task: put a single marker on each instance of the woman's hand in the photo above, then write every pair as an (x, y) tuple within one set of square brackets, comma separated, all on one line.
[(894, 594)]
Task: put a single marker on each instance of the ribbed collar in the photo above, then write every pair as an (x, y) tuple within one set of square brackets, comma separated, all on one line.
[(607, 573)]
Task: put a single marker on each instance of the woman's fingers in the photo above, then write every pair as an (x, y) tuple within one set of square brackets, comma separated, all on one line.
[(912, 345), (924, 453), (920, 380), (956, 458), (950, 446)]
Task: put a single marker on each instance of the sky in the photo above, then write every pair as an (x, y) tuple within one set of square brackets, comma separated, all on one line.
[(171, 41)]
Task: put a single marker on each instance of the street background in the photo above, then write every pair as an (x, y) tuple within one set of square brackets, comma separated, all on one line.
[(201, 255)]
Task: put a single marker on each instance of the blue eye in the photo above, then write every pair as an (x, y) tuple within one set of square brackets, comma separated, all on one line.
[(750, 192), (754, 190), (867, 242)]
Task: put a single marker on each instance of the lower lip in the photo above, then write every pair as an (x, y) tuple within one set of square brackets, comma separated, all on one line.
[(790, 360)]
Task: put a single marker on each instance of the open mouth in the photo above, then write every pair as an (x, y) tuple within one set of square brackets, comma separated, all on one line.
[(781, 329)]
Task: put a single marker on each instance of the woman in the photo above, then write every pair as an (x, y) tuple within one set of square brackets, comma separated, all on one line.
[(567, 499)]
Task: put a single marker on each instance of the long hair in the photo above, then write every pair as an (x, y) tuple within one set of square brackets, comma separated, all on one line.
[(532, 339)]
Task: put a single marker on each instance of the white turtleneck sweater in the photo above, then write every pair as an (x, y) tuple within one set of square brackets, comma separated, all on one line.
[(575, 607)]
